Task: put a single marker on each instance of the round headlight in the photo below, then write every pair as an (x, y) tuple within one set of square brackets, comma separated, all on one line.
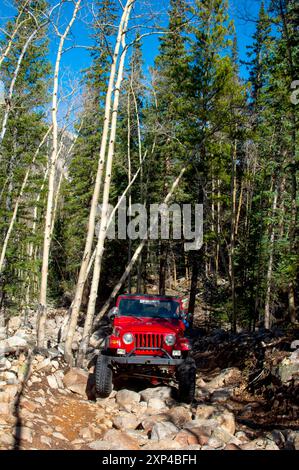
[(128, 338), (169, 340)]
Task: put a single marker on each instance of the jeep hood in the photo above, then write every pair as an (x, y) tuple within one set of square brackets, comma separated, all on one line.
[(149, 325)]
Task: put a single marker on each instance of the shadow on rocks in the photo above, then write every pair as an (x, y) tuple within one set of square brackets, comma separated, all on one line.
[(17, 403)]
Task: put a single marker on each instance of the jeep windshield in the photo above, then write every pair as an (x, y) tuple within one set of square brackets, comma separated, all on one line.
[(154, 308)]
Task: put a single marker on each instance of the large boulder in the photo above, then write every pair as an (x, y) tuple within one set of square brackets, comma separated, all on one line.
[(230, 376), (76, 380), (148, 423), (163, 393), (125, 421), (13, 343), (155, 404), (288, 367), (127, 398), (226, 421), (179, 416)]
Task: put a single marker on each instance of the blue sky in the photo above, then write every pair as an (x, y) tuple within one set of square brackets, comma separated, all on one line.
[(243, 12)]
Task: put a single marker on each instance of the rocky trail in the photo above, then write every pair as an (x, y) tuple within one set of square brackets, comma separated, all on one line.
[(246, 399)]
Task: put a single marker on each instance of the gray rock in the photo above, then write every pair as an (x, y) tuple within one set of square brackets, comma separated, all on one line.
[(225, 437), (289, 367), (222, 395), (14, 342), (226, 421), (179, 415), (125, 421), (215, 443), (156, 404), (163, 430), (126, 398), (277, 436), (260, 444), (163, 393), (226, 377)]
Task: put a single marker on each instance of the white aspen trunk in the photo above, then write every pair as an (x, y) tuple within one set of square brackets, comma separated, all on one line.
[(33, 231), (12, 36), (129, 181), (12, 84), (239, 208), (106, 192), (139, 265), (93, 208), (231, 254), (57, 192), (136, 254), (267, 319), (19, 198), (42, 310)]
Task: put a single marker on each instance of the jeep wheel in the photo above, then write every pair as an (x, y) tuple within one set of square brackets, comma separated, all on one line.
[(103, 377), (186, 376)]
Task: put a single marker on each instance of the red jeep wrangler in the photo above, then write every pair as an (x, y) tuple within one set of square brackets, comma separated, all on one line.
[(147, 340)]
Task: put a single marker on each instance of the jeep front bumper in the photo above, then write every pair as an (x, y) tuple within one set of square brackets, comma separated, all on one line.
[(145, 360)]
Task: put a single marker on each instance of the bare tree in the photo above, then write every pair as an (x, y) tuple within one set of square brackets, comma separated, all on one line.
[(75, 309), (42, 309), (267, 320), (106, 192)]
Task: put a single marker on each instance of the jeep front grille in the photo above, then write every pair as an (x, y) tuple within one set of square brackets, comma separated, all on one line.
[(148, 340)]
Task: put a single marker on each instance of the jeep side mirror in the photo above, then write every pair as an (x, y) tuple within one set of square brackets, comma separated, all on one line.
[(114, 312)]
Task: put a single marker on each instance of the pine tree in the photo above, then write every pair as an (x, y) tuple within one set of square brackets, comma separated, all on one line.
[(26, 128), (167, 119)]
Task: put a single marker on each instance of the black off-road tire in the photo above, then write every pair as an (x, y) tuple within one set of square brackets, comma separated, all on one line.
[(103, 377), (186, 377)]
